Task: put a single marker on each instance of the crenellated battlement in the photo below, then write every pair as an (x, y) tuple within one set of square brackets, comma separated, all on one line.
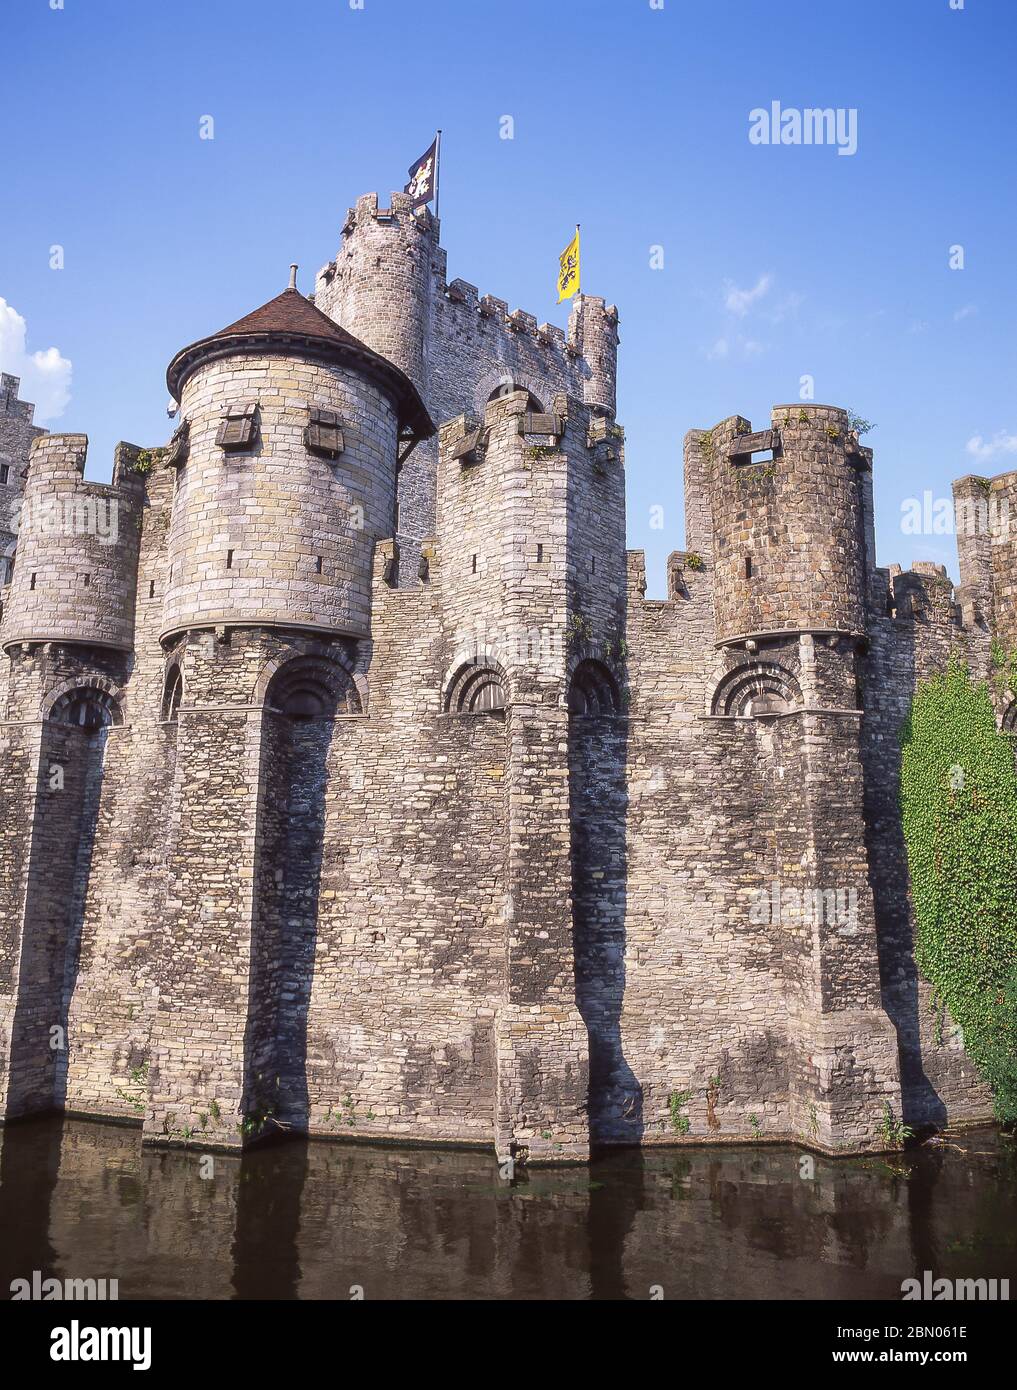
[(75, 571)]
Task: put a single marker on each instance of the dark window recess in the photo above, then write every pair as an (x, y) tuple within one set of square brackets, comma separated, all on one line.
[(593, 564), (238, 428), (762, 447), (540, 554), (32, 585), (229, 559), (748, 567), (318, 564), (87, 579), (5, 472), (323, 432), (151, 588), (474, 564)]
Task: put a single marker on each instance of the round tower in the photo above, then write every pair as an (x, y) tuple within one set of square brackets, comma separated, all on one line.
[(788, 509), (379, 287), (293, 429), (76, 563)]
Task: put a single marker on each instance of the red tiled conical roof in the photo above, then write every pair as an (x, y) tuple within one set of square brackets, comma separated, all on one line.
[(291, 312), (290, 322)]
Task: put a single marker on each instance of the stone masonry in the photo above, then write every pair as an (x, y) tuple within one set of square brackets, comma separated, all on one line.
[(353, 787)]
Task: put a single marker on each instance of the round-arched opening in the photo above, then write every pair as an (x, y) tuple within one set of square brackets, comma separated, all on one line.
[(476, 689), (312, 688), (506, 388), (87, 708), (593, 690), (753, 692)]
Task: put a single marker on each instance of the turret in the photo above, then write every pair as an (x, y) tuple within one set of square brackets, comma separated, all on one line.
[(77, 557), (16, 435), (379, 286), (593, 334), (287, 454), (789, 522)]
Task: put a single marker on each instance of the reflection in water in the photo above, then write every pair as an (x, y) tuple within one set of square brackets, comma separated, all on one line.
[(320, 1219)]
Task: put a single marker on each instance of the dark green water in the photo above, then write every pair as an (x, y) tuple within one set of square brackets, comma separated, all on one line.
[(313, 1220)]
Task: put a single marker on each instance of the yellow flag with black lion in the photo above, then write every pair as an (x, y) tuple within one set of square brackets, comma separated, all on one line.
[(568, 269)]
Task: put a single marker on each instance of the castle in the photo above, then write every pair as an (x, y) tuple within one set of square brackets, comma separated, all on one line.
[(352, 785)]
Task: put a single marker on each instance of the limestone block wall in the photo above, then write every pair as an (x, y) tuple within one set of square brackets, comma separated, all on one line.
[(277, 534), (686, 822), (76, 573), (683, 991)]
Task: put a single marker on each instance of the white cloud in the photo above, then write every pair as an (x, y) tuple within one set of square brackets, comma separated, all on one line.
[(741, 346), (965, 312), (738, 301), (45, 376), (1000, 443)]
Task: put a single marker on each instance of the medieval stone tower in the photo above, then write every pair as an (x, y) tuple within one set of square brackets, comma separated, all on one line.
[(353, 786)]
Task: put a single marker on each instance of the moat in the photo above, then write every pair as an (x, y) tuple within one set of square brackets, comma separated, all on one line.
[(315, 1220)]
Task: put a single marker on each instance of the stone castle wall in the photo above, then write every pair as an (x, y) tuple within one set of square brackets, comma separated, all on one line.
[(460, 838)]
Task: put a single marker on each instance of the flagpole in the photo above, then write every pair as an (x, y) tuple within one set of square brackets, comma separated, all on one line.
[(437, 173)]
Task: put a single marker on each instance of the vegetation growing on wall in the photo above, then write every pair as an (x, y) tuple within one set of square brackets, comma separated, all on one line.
[(959, 809)]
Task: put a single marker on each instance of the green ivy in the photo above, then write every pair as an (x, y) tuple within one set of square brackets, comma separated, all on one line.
[(676, 1103), (1004, 667), (959, 810)]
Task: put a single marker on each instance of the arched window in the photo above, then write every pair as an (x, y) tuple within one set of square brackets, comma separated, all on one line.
[(476, 688), (88, 708), (310, 687), (1009, 721), (752, 692), (173, 695), (593, 690), (506, 388)]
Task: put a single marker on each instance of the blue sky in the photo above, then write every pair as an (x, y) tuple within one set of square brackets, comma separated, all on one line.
[(779, 260)]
